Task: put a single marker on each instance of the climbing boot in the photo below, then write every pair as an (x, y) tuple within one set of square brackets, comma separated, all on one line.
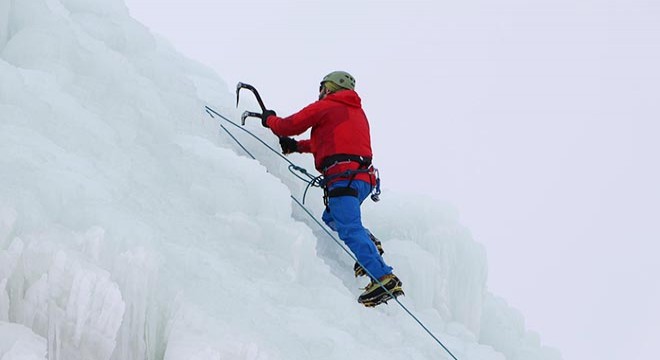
[(374, 294)]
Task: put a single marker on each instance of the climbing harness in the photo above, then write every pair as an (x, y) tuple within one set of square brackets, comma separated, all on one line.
[(316, 181), (365, 167), (348, 190)]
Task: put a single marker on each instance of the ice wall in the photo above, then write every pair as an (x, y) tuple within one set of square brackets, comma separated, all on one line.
[(130, 228), (17, 342), (4, 22), (76, 115)]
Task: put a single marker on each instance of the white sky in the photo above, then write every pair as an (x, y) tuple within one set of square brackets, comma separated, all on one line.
[(537, 119)]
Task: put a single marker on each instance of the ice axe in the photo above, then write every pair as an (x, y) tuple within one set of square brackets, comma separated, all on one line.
[(247, 114)]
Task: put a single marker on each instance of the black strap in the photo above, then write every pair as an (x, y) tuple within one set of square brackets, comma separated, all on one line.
[(337, 192), (331, 160), (342, 191)]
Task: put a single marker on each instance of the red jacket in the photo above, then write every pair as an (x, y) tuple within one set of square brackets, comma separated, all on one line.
[(339, 126)]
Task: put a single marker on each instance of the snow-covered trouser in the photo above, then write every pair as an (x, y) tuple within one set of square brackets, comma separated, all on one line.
[(343, 216)]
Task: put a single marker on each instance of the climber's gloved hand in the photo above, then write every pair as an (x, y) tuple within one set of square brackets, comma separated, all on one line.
[(265, 116), (288, 145)]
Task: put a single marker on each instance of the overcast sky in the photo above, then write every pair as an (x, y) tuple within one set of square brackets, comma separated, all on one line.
[(538, 120)]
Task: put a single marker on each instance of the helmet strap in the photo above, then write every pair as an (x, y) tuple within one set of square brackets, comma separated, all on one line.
[(324, 91)]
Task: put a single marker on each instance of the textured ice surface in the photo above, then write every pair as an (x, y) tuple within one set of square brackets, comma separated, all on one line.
[(131, 228)]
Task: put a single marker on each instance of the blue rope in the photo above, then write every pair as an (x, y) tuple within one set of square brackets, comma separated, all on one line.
[(238, 142), (293, 166), (378, 281), (324, 228), (313, 181)]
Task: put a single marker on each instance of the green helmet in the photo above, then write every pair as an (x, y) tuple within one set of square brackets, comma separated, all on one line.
[(341, 78)]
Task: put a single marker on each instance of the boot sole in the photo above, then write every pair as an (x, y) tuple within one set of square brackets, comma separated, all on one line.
[(371, 302)]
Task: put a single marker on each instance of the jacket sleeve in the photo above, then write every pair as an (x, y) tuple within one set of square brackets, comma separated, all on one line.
[(304, 146), (297, 123)]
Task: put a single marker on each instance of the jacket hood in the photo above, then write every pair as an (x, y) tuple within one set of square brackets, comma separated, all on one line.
[(347, 97)]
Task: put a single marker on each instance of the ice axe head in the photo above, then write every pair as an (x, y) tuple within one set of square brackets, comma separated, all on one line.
[(251, 88), (247, 114)]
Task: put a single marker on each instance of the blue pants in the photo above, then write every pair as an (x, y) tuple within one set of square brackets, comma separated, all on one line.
[(343, 216)]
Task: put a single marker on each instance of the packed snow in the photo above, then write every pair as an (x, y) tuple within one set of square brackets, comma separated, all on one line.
[(132, 227)]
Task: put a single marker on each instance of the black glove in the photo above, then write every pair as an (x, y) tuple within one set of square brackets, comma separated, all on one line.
[(265, 116), (288, 145)]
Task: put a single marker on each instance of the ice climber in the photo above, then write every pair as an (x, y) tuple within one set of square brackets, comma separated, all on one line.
[(341, 145)]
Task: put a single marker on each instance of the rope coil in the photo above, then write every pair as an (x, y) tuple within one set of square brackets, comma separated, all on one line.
[(315, 182)]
